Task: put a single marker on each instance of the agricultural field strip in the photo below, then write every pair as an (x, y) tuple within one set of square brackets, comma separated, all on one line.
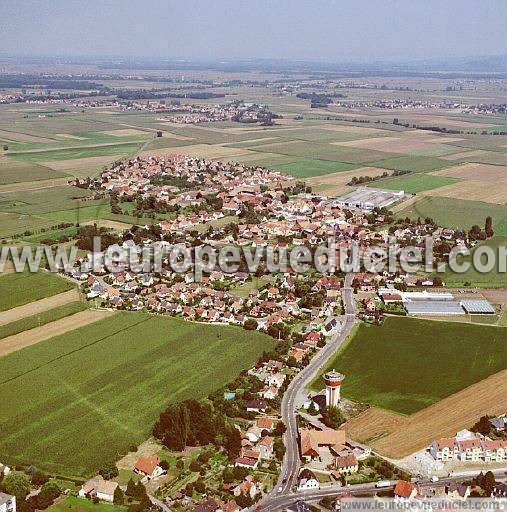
[(49, 330), (42, 318), (34, 308)]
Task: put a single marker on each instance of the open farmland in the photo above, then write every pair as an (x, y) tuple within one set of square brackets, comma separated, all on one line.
[(41, 318), (396, 436), (414, 183), (478, 172), (18, 171), (456, 213), (22, 288), (403, 365), (473, 277), (132, 366), (51, 329), (473, 190)]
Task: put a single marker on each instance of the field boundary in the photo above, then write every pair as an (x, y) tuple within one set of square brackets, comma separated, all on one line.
[(32, 336), (38, 306)]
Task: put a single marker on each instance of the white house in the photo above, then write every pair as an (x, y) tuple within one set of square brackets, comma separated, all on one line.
[(307, 480), (7, 503)]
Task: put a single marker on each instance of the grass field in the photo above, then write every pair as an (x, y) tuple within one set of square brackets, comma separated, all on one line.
[(41, 319), (457, 213), (408, 364), (82, 399), (16, 171), (414, 183), (308, 168), (493, 279), (413, 163), (22, 288), (73, 504), (74, 153)]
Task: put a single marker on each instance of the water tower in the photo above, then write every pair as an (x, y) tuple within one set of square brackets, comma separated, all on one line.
[(333, 382)]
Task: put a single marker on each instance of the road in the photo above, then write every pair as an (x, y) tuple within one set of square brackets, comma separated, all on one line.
[(296, 394), (282, 500)]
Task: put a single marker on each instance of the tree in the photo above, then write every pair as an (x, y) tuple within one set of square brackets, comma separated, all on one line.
[(39, 478), (118, 498), (131, 488), (250, 324), (109, 471), (17, 484), (483, 426), (332, 417), (487, 483), (51, 489), (488, 226)]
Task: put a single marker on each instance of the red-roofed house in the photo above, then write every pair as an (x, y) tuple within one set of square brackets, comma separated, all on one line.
[(148, 466)]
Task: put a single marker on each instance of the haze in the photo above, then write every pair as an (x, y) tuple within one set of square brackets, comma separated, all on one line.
[(338, 31)]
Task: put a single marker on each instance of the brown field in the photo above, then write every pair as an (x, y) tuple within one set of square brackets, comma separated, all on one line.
[(89, 162), (200, 150), (398, 436), (11, 315), (473, 191), (33, 336), (125, 132), (474, 171), (496, 296), (373, 423), (112, 224), (69, 136), (22, 137), (16, 187), (465, 154), (336, 183), (404, 204), (403, 143), (359, 130)]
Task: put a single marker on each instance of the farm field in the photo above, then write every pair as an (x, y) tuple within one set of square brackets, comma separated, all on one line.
[(473, 277), (42, 318), (51, 329), (335, 183), (22, 288), (74, 504), (132, 365), (17, 171), (456, 213), (413, 163), (380, 363), (309, 168), (394, 435), (414, 183)]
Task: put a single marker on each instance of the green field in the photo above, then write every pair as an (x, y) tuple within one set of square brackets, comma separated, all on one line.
[(15, 171), (474, 278), (81, 399), (407, 364), (308, 168), (22, 288), (413, 163), (82, 152), (30, 322), (73, 504), (414, 183), (457, 213)]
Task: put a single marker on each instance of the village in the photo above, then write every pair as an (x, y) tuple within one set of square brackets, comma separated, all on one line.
[(263, 209)]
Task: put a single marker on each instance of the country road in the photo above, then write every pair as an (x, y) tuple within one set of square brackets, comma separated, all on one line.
[(292, 400)]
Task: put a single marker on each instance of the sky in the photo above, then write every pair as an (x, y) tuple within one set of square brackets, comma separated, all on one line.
[(320, 30)]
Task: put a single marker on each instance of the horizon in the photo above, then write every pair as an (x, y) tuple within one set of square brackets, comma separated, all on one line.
[(346, 32)]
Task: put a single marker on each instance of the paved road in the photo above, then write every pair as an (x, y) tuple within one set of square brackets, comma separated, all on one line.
[(295, 394), (282, 501)]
